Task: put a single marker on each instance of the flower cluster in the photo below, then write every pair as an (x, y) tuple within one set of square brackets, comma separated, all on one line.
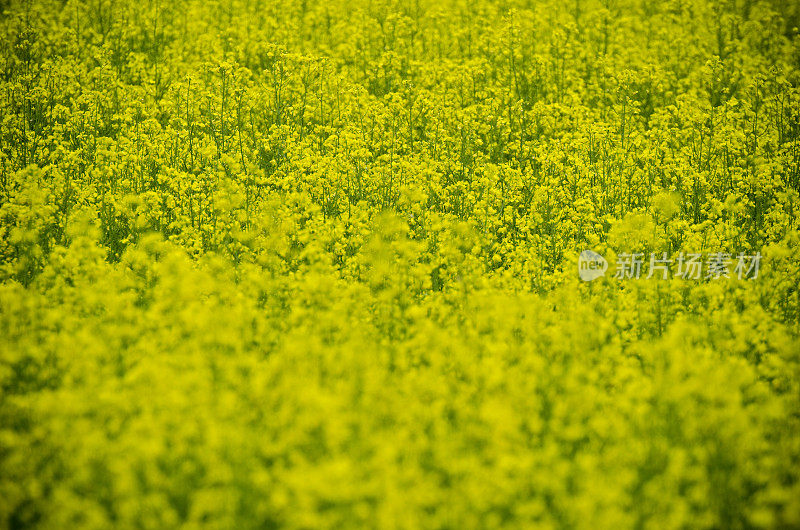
[(312, 264)]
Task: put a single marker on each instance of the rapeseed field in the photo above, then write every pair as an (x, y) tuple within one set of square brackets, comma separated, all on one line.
[(386, 264)]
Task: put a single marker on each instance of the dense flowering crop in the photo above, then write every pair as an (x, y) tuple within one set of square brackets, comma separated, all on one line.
[(314, 264)]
